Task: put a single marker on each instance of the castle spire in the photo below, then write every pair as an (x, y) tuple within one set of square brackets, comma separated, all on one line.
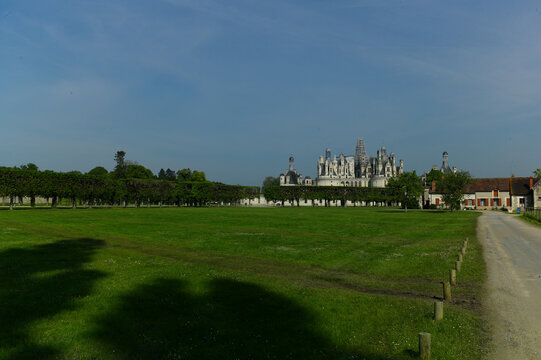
[(291, 163), (360, 152), (445, 163)]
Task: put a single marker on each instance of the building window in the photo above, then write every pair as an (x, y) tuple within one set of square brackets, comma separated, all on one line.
[(437, 201), (495, 193), (483, 202)]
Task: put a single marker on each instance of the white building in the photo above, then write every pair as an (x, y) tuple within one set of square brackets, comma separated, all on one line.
[(349, 170)]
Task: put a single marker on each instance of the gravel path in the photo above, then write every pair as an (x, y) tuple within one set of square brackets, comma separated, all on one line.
[(512, 251)]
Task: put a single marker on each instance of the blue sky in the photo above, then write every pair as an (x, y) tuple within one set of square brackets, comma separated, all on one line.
[(234, 87)]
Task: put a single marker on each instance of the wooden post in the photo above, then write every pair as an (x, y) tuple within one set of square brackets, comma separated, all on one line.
[(458, 265), (459, 257), (438, 310), (424, 346), (463, 251), (452, 277), (446, 291)]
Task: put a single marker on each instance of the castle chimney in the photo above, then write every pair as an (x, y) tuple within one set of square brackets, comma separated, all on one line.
[(531, 182), (433, 186)]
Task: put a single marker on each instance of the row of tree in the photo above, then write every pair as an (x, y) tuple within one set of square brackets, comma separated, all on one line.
[(405, 189), (106, 190), (326, 194)]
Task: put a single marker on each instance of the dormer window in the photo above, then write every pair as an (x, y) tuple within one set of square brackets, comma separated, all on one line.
[(495, 193)]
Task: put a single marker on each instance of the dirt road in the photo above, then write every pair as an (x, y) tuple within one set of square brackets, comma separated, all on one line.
[(512, 251)]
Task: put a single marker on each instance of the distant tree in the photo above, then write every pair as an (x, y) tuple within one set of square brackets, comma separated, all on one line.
[(138, 172), (120, 168), (161, 174), (198, 176), (406, 188), (98, 171), (271, 181), (434, 175), (537, 173), (184, 175), (170, 175), (29, 167), (452, 188)]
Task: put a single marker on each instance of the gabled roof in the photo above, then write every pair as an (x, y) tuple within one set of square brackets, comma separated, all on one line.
[(521, 186), (515, 185), (487, 184)]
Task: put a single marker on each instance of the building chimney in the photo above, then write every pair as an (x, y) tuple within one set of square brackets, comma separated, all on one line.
[(531, 182), (433, 186)]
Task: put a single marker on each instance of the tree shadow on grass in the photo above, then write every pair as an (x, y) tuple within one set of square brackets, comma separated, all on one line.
[(37, 283), (233, 320)]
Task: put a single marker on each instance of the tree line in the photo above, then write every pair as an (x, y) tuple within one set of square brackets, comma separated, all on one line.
[(295, 194), (405, 190), (16, 183)]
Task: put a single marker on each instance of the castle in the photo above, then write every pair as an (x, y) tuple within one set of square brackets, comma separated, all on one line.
[(351, 170)]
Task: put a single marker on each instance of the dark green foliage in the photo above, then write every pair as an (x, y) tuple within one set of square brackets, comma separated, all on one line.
[(168, 174), (109, 191), (29, 167), (271, 181), (161, 174), (537, 173), (138, 172), (452, 188), (184, 175), (327, 193), (434, 175), (406, 189), (120, 168), (198, 176), (98, 171), (202, 193)]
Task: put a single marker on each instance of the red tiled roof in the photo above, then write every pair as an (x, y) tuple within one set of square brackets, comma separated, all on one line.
[(517, 185), (487, 184)]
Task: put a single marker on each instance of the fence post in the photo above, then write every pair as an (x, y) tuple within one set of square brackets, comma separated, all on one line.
[(438, 310), (452, 276), (446, 291), (424, 346)]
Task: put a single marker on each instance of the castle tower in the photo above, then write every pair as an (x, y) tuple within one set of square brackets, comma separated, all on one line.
[(360, 152), (445, 163), (327, 154), (291, 163)]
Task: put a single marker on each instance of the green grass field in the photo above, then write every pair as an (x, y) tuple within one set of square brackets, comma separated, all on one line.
[(236, 283)]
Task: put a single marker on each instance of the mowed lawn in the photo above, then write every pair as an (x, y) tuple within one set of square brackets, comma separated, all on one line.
[(236, 283)]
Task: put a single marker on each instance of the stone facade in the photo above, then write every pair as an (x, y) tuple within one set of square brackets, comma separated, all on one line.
[(292, 177), (349, 170), (493, 193)]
